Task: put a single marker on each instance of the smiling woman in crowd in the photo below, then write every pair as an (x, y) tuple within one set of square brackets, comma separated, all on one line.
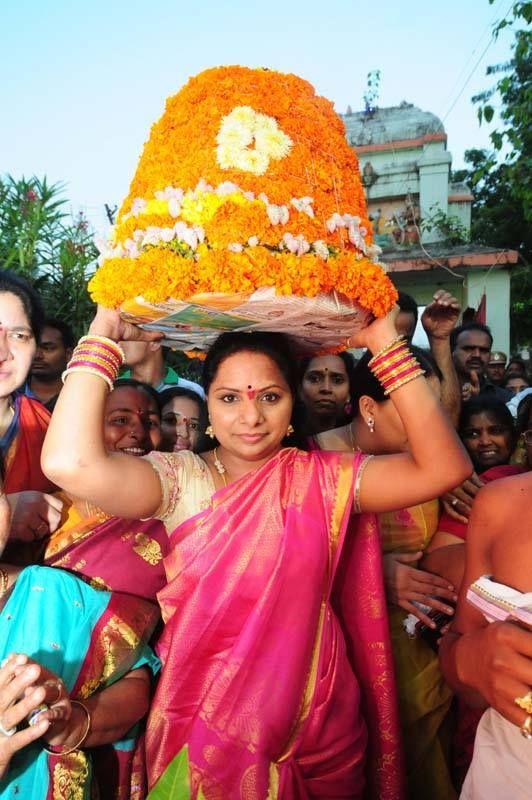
[(183, 420)]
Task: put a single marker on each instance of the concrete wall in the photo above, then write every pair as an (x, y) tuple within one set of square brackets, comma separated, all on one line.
[(468, 292), (496, 284)]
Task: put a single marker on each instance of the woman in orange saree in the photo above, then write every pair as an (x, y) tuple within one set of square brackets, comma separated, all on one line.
[(270, 658)]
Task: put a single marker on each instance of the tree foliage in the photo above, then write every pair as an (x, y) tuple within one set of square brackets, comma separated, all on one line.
[(501, 212), (513, 91), (42, 242)]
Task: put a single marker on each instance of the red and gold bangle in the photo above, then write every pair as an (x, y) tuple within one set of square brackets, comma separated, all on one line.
[(106, 343), (398, 359), (385, 350), (399, 375), (410, 376), (96, 355), (395, 367)]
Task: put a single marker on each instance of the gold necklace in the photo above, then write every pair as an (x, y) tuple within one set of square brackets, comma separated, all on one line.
[(219, 466), (354, 447)]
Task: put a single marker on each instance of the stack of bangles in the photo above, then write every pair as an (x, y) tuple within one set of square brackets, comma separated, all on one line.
[(395, 366), (96, 355)]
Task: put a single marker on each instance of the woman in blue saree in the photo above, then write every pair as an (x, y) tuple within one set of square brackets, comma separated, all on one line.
[(94, 644)]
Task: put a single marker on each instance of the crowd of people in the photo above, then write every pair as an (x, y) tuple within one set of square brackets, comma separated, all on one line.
[(296, 579)]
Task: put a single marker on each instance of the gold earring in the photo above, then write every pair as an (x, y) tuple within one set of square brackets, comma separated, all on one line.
[(290, 430), (209, 431)]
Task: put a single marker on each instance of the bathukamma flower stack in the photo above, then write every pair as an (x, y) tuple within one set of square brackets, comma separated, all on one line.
[(246, 211)]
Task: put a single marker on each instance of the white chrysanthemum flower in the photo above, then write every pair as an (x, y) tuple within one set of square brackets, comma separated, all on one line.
[(253, 241), (321, 249), (248, 140), (235, 247), (243, 115), (252, 161), (273, 142)]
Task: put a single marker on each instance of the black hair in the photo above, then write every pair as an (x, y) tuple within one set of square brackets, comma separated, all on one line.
[(167, 395), (366, 384), (132, 383), (512, 376), (408, 305), (470, 326), (276, 346), (67, 334), (484, 404), (30, 299), (524, 411)]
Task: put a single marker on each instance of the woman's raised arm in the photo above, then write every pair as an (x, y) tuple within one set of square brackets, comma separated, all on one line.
[(74, 456), (436, 461)]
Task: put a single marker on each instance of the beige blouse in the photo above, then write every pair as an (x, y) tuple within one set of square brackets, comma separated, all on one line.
[(186, 483)]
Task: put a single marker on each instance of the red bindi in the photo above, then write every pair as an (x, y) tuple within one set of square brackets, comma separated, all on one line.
[(251, 393)]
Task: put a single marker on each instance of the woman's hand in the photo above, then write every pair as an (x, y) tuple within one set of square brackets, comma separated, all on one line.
[(496, 661), (34, 515), (459, 502), (404, 584), (59, 713), (19, 696), (378, 334), (108, 322)]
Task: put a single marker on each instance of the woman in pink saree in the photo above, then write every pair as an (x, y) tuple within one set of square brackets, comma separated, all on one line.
[(276, 657)]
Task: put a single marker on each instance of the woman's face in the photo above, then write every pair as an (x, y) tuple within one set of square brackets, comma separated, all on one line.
[(325, 386), (17, 344), (131, 422), (250, 406), (487, 441), (516, 384), (180, 424)]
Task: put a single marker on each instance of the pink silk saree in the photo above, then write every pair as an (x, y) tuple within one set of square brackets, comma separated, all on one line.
[(258, 685)]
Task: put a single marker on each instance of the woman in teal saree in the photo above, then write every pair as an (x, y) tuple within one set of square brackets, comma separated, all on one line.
[(95, 643)]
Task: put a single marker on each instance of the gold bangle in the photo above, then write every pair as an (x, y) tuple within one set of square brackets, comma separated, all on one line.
[(58, 751), (386, 348), (88, 371), (397, 385)]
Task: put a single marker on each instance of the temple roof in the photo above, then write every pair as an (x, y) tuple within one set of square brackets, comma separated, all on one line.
[(394, 124)]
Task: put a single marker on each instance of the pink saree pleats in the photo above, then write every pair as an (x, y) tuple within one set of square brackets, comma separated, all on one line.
[(256, 680)]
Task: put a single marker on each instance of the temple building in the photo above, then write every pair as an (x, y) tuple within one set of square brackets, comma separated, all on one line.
[(422, 219)]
